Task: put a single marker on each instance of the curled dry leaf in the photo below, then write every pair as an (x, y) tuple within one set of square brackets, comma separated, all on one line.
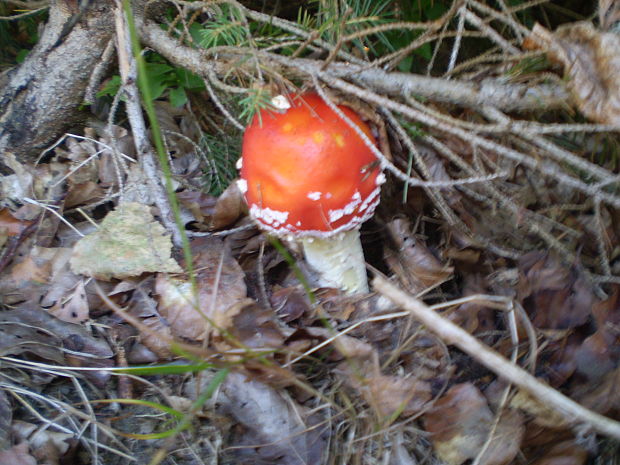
[(221, 293), (591, 63), (460, 423), (214, 213), (389, 396), (256, 327), (129, 242), (290, 303), (10, 225), (275, 429), (158, 340), (46, 445), (600, 352), (563, 453), (554, 295), (541, 413), (17, 455), (29, 330), (414, 264)]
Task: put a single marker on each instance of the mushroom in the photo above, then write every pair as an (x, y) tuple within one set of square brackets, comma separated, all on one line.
[(307, 175)]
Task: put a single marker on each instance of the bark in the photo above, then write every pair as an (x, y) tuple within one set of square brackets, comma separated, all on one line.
[(40, 99)]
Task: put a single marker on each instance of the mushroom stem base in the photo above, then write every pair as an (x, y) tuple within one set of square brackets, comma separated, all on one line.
[(339, 260)]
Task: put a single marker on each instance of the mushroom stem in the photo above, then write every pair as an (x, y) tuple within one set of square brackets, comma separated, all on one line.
[(339, 261)]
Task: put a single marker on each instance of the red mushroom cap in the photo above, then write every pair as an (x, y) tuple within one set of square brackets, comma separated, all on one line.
[(306, 172)]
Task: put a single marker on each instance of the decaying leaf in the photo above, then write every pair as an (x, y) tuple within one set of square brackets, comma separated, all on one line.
[(541, 413), (10, 225), (461, 422), (278, 430), (591, 63), (389, 396), (6, 416), (46, 445), (129, 242), (17, 455), (74, 307), (221, 290), (39, 333), (157, 341), (214, 213), (563, 453), (554, 295), (414, 264)]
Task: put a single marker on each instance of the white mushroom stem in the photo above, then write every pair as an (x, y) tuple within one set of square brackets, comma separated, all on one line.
[(339, 261)]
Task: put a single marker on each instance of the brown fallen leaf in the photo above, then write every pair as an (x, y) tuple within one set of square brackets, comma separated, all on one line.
[(221, 292), (29, 330), (591, 64), (274, 429), (460, 423), (413, 263), (158, 341), (563, 453), (554, 295), (10, 225), (129, 242), (46, 445), (541, 414), (83, 193), (256, 327), (290, 303), (17, 455), (214, 213), (388, 396), (74, 307)]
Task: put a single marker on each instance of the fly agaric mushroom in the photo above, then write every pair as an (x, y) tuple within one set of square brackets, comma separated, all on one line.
[(306, 174)]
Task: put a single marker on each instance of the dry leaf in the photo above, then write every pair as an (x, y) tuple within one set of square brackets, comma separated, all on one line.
[(256, 327), (460, 423), (37, 332), (221, 291), (389, 396), (46, 445), (290, 303), (591, 63), (564, 453), (214, 213), (554, 295), (6, 416), (278, 430), (543, 415), (129, 242), (83, 193), (10, 225), (158, 341), (74, 307), (17, 455), (414, 264)]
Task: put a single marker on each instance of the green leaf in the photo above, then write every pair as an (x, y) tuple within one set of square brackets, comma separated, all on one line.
[(189, 80), (158, 69), (111, 87), (177, 97), (21, 55)]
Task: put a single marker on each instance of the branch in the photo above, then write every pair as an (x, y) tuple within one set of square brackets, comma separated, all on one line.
[(507, 97), (450, 333)]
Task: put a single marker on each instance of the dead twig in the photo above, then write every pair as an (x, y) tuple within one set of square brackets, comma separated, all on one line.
[(573, 412)]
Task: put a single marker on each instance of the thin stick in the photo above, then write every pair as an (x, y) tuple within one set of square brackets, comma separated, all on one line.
[(573, 412)]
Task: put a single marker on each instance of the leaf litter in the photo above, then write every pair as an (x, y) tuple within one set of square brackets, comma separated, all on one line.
[(315, 372)]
